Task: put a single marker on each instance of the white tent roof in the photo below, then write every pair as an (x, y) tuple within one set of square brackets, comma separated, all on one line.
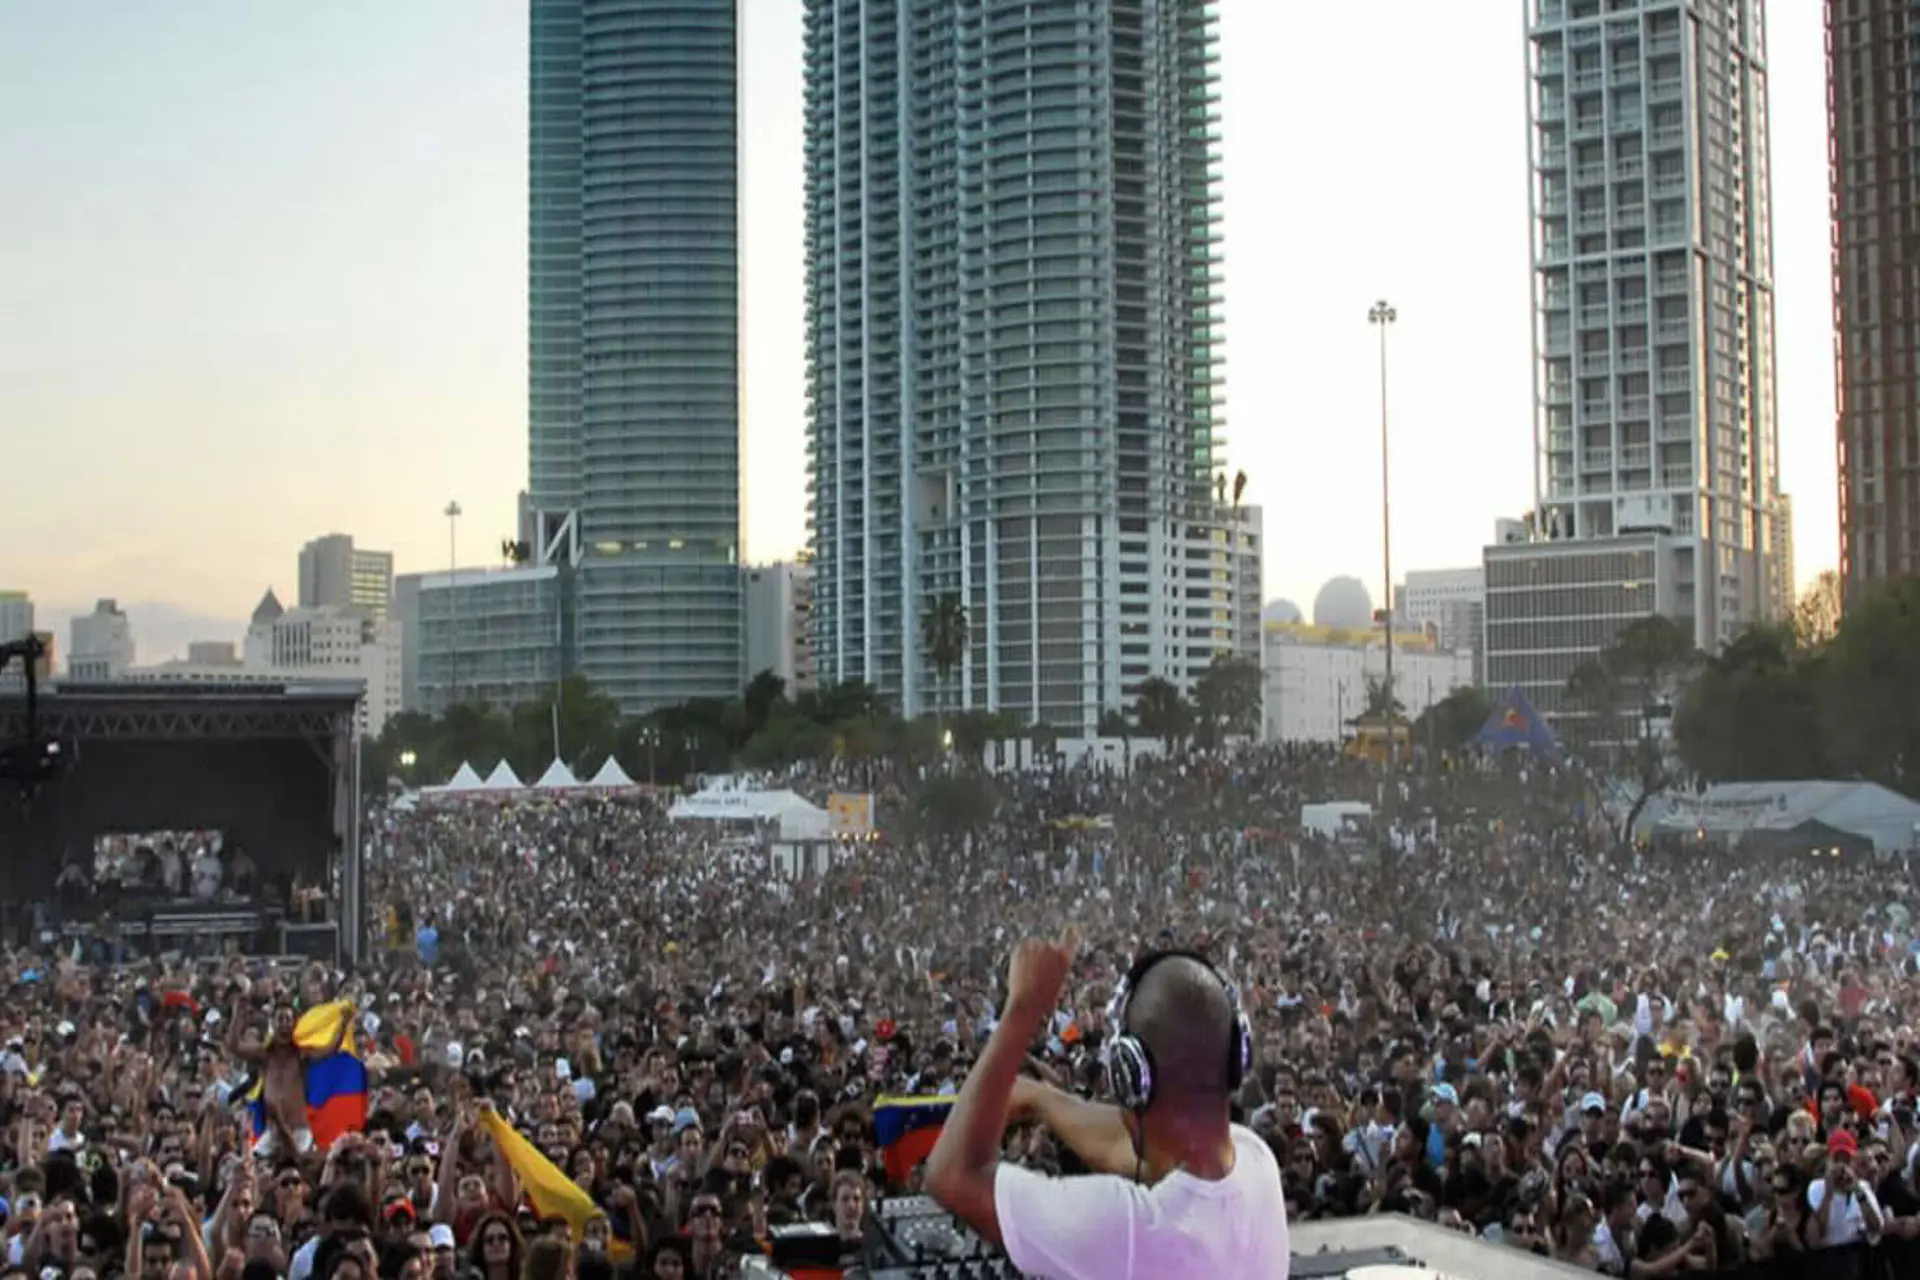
[(503, 778), (1864, 809), (464, 779), (611, 775), (556, 777), (798, 819)]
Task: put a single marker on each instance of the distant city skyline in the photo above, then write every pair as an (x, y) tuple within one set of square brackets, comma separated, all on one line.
[(293, 299)]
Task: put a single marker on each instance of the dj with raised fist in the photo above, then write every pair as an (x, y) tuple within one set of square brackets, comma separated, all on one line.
[(1178, 1189)]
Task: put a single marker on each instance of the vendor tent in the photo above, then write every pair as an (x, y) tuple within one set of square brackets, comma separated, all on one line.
[(557, 778), (798, 819), (503, 778), (464, 779), (611, 776)]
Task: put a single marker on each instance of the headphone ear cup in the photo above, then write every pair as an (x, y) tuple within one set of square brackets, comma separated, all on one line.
[(1129, 1074)]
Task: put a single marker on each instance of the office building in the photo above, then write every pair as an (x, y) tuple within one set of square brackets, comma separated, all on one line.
[(1248, 531), (1316, 680), (335, 574), (1653, 291), (1450, 605), (286, 646), (499, 636), (213, 653), (1552, 606), (1786, 590), (1653, 300), (1873, 150), (778, 599), (16, 615), (1013, 306), (100, 644), (633, 279)]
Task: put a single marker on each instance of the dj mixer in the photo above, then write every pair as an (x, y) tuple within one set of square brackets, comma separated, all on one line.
[(912, 1238)]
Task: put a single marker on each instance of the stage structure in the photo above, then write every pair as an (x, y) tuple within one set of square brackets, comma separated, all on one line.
[(273, 767)]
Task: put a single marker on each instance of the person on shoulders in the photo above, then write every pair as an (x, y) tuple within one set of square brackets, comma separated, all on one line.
[(1177, 1188)]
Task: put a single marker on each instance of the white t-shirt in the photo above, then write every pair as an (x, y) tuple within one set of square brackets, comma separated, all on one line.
[(1102, 1227), (1848, 1223)]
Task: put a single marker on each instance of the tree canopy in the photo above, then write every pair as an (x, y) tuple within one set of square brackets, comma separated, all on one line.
[(1827, 695)]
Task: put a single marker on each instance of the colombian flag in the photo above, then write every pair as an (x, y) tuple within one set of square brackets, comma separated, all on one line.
[(336, 1082), (906, 1129)]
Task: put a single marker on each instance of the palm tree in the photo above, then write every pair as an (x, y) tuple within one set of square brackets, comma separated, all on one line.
[(943, 634)]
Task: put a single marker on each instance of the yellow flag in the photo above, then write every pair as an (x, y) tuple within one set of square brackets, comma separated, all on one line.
[(319, 1025), (553, 1193)]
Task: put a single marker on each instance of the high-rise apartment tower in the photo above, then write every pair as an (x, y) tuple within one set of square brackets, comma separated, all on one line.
[(1013, 298), (1653, 301), (633, 313), (1873, 119)]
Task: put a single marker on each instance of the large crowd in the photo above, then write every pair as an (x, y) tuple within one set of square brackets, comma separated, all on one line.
[(1486, 1013)]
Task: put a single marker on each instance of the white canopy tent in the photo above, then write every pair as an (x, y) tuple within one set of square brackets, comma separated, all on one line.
[(557, 778), (503, 778), (611, 776), (798, 819), (464, 779)]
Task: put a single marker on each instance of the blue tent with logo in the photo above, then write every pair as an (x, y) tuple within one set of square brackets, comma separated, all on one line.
[(1514, 723)]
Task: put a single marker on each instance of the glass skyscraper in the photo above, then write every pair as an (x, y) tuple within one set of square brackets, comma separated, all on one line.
[(1013, 296), (633, 310)]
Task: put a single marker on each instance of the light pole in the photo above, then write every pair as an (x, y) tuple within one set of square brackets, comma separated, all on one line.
[(650, 738), (452, 513), (1382, 315)]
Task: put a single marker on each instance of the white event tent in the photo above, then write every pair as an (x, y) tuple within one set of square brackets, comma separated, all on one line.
[(611, 776), (503, 778), (557, 778), (798, 819)]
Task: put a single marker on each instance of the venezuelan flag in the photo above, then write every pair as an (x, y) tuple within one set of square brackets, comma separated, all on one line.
[(906, 1129)]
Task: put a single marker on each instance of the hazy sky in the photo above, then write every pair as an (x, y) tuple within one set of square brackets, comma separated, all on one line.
[(262, 276)]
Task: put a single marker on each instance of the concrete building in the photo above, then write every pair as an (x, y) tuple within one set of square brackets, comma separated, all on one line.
[(16, 615), (633, 282), (1551, 606), (100, 644), (1873, 150), (778, 599), (329, 642), (213, 653), (336, 574), (1249, 535), (499, 636), (1315, 680), (1013, 299), (1451, 604), (1653, 298), (1786, 588)]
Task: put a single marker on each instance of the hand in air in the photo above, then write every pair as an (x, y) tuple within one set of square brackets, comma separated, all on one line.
[(1039, 969)]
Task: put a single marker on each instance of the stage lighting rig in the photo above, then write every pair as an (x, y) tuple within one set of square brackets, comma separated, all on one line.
[(34, 759)]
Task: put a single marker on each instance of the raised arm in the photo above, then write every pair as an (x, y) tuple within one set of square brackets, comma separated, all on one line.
[(1095, 1132)]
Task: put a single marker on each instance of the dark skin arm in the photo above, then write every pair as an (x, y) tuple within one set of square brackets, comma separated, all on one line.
[(961, 1171)]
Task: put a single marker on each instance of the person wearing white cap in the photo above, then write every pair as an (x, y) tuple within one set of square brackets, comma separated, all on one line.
[(445, 1253)]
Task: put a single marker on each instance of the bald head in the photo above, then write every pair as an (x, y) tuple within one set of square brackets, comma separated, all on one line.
[(1180, 1012)]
